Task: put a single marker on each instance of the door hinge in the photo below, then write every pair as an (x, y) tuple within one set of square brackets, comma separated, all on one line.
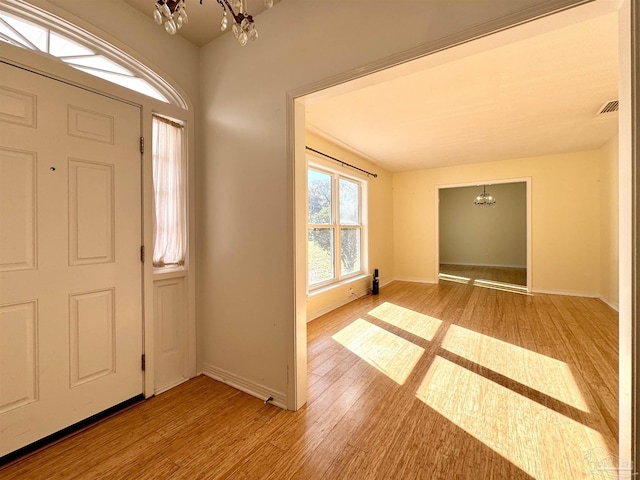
[(141, 144), (142, 253), (143, 362)]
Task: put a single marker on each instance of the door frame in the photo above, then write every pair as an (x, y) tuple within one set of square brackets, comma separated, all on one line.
[(526, 180), (634, 73)]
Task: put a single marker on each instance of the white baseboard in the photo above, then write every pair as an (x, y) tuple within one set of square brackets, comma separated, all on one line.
[(169, 387), (546, 292), (566, 293), (333, 306), (613, 305), (338, 304), (491, 265), (416, 280), (245, 385)]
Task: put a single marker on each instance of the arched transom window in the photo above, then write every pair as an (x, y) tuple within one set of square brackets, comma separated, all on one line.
[(28, 27)]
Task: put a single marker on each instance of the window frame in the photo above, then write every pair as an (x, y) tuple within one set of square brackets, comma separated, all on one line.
[(335, 226), (181, 265)]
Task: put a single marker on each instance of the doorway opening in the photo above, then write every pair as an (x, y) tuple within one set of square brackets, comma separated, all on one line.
[(485, 243)]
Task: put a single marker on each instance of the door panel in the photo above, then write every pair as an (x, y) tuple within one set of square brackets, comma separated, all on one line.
[(170, 332), (17, 107), (18, 340), (70, 272), (90, 125), (18, 221), (92, 329), (91, 215)]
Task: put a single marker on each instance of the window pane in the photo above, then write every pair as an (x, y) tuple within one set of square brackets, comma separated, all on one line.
[(35, 34), (10, 36), (319, 188), (349, 202), (320, 255), (99, 62), (170, 195), (60, 46), (132, 83), (350, 250)]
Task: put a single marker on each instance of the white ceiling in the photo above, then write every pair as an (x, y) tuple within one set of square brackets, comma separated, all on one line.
[(526, 97), (204, 20), (532, 97)]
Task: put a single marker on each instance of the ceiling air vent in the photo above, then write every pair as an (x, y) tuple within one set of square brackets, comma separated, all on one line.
[(609, 107)]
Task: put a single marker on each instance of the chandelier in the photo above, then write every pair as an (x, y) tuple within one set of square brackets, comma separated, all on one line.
[(173, 14), (485, 199)]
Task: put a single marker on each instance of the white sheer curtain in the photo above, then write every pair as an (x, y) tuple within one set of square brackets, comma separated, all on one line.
[(169, 193)]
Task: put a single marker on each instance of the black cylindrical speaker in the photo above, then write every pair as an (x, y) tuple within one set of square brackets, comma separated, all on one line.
[(375, 288)]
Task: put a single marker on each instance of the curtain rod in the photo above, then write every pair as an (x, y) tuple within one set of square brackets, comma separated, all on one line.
[(374, 175), (168, 120)]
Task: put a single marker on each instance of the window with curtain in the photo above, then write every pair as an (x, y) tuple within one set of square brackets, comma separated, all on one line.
[(169, 193), (335, 227)]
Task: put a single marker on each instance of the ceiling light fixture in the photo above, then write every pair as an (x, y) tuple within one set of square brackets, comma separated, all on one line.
[(485, 199), (173, 14)]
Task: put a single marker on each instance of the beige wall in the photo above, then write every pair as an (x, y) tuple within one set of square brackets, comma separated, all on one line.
[(380, 230), (609, 222), (472, 235), (565, 223)]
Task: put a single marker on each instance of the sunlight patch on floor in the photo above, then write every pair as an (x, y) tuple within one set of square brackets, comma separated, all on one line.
[(539, 372), (454, 278), (491, 283), (504, 287), (540, 441), (410, 321), (390, 354)]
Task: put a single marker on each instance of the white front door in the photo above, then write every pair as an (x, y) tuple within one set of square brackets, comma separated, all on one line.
[(70, 271)]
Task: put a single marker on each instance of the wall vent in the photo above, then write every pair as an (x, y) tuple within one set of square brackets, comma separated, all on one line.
[(609, 107)]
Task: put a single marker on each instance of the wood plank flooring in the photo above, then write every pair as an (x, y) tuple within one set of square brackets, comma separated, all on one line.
[(433, 382), (514, 276)]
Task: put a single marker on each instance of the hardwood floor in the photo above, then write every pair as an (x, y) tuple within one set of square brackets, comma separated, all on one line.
[(514, 276), (430, 382)]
